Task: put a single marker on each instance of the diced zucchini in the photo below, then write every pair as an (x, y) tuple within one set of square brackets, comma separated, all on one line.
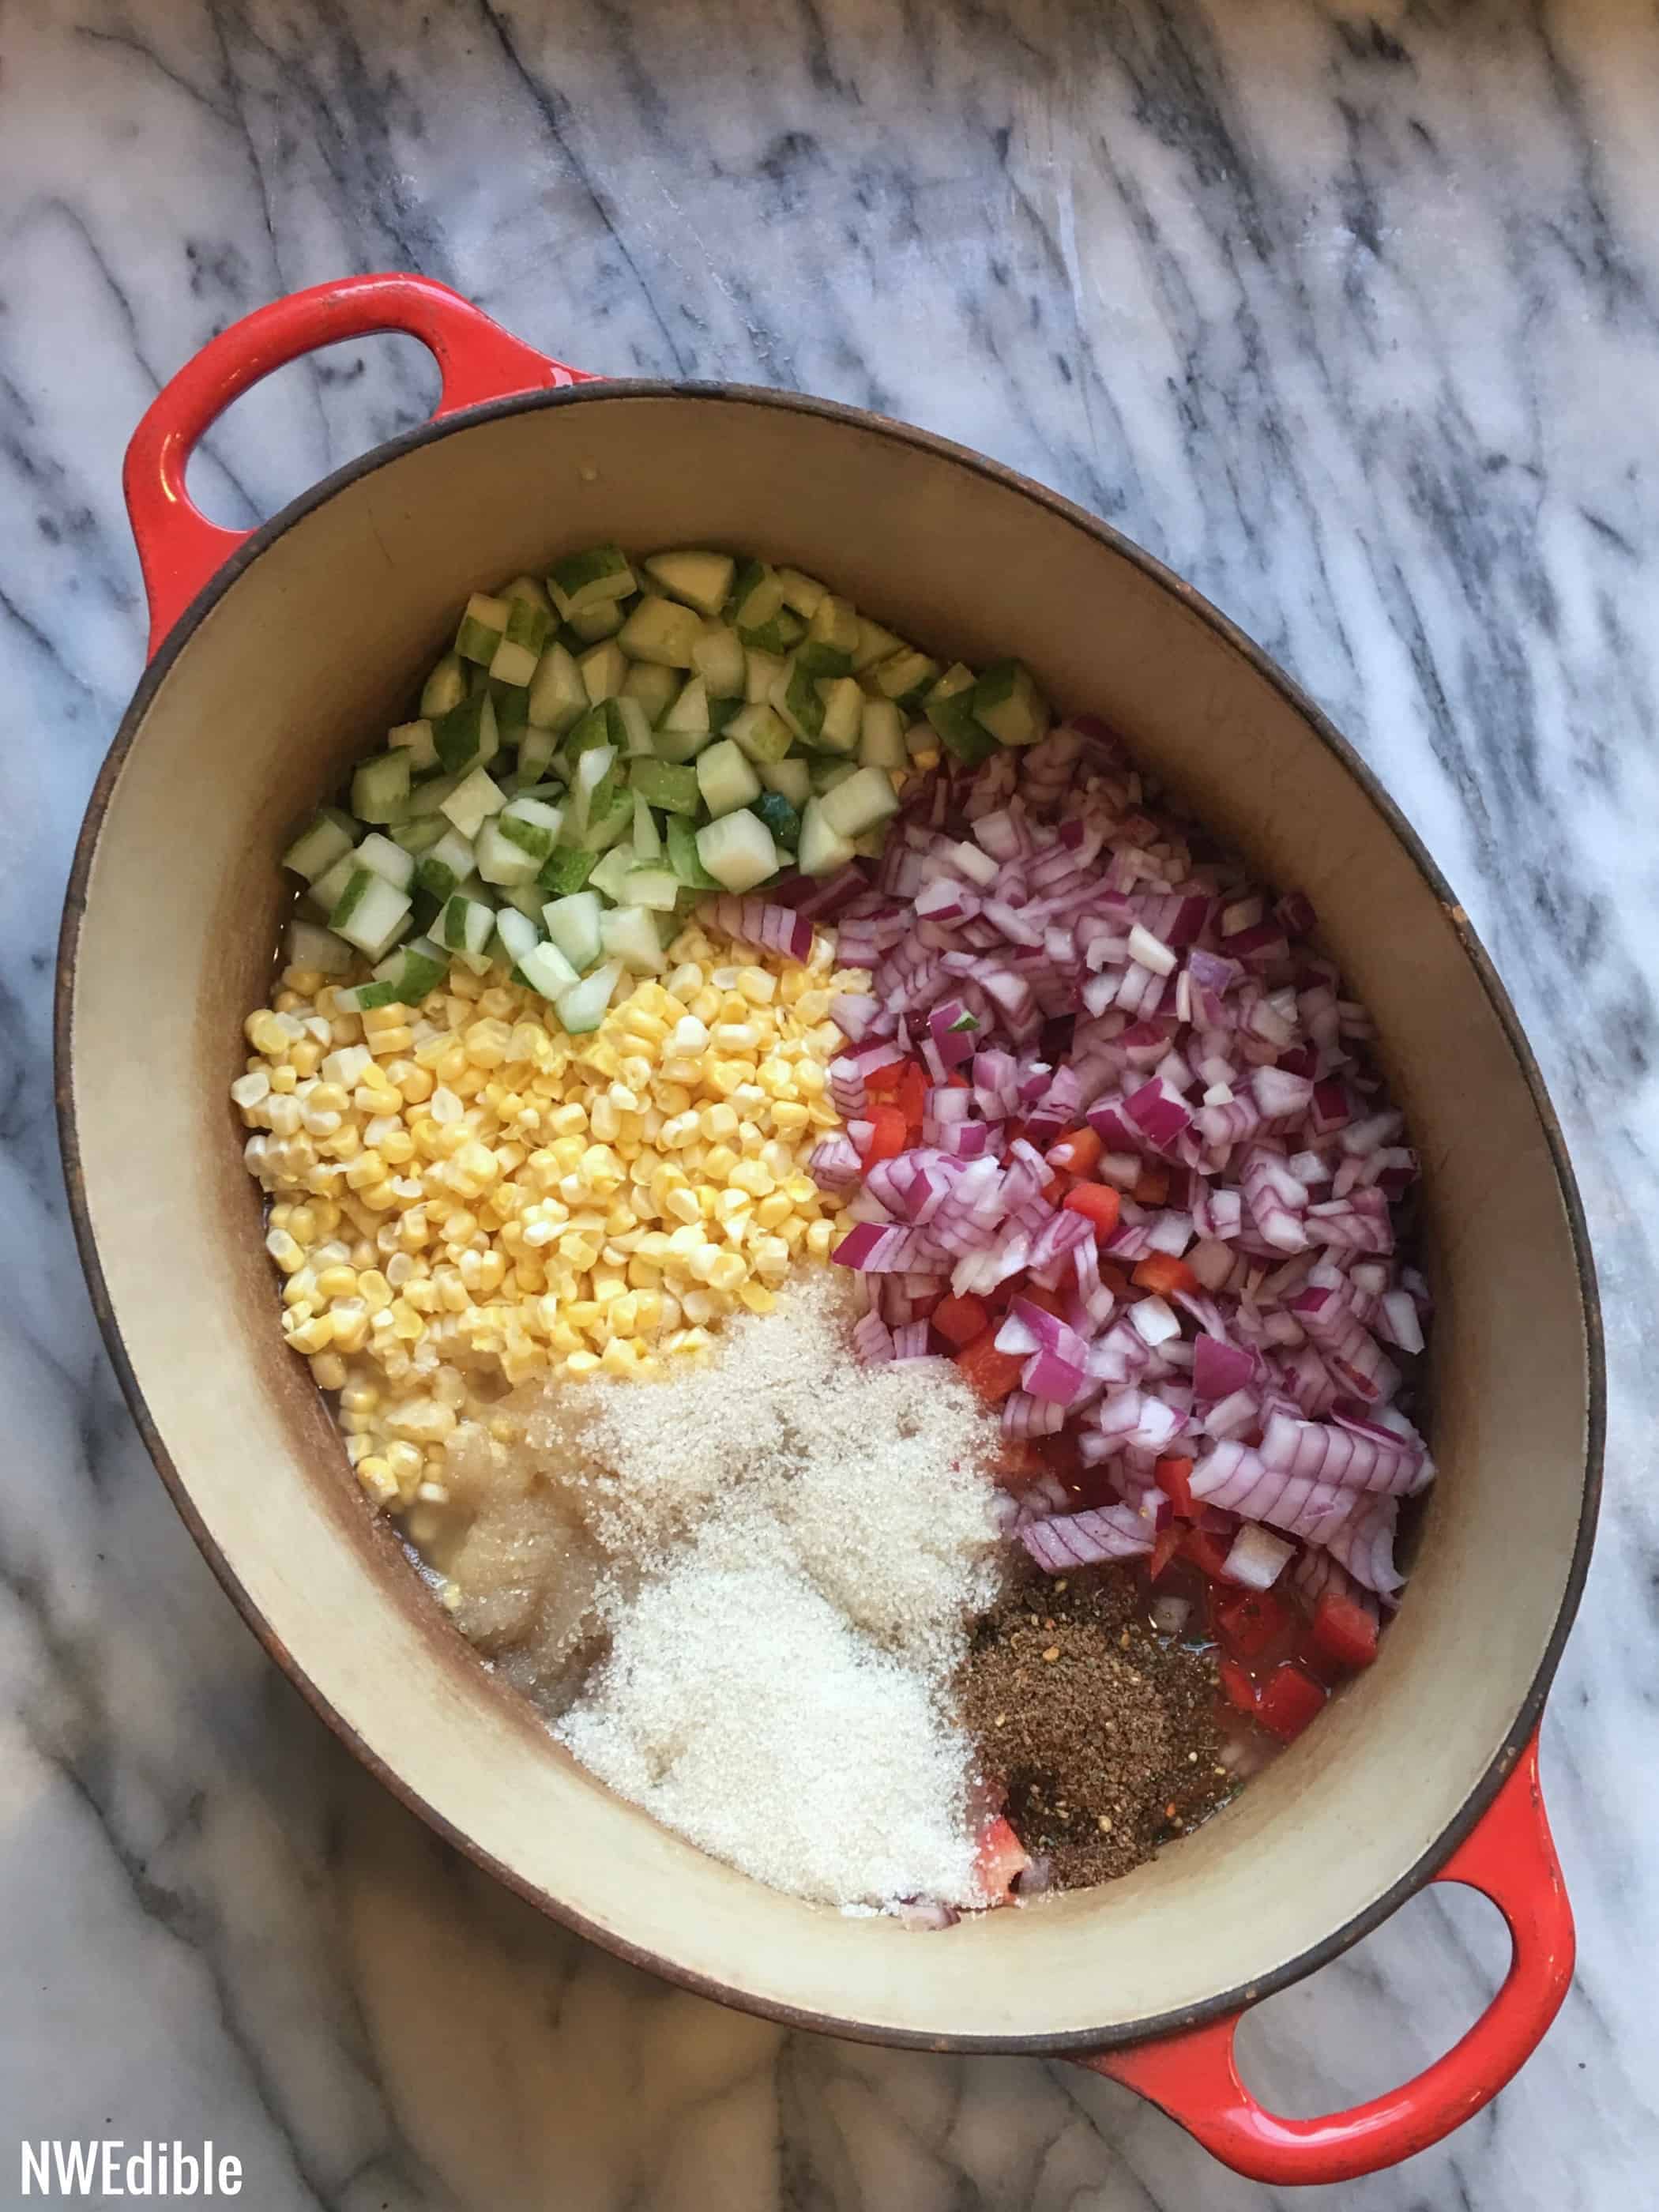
[(629, 934), (419, 835), (535, 750), (379, 789), (791, 779), (593, 764), (512, 704), (630, 727), (532, 824), (558, 696), (802, 592), (760, 673), (516, 935), (603, 669), (785, 631), (760, 732), (844, 715), (572, 923), (545, 969), (654, 889), (682, 855), (679, 745), (874, 644), (719, 658), (797, 698), (738, 850), (443, 867), (881, 736), (565, 870), (591, 625), (1006, 702), (814, 657), (500, 859), (866, 797), (327, 837), (594, 578), (612, 815), (702, 580), (655, 689), (661, 784), (414, 969), (828, 772), (660, 631), (835, 623), (533, 593), (466, 927), (756, 596), (516, 658), (950, 707), (689, 715), (444, 689), (473, 800), (387, 861), (482, 628), (371, 912), (524, 898), (906, 676), (593, 730), (726, 778), (821, 849), (467, 735), (612, 873), (782, 818), (582, 1007), (647, 839), (416, 739), (325, 891), (305, 946)]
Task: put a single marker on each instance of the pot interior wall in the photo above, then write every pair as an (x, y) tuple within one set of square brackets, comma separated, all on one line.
[(304, 660)]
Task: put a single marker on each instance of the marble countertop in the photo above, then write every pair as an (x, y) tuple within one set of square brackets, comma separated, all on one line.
[(1352, 316)]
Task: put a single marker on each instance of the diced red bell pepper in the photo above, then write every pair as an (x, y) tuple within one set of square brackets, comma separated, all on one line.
[(1165, 1544), (911, 1095), (1290, 1698), (1343, 1631), (888, 1132), (999, 1858), (1152, 1188), (1239, 1687), (1161, 1273), (992, 1374), (1208, 1554), (1097, 1202), (959, 1320), (1114, 1278), (1048, 1302), (1174, 1478), (1250, 1622), (881, 1081), (1077, 1152)]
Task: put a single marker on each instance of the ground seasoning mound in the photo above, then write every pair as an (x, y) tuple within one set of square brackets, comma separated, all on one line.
[(1105, 1739)]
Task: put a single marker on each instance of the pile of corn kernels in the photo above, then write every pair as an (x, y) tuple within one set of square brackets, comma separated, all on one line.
[(463, 1197)]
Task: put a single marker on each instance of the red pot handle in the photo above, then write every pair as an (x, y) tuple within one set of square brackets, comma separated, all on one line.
[(179, 548), (1194, 2078)]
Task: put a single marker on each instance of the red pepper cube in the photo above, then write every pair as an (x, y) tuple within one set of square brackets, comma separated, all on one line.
[(1289, 1699)]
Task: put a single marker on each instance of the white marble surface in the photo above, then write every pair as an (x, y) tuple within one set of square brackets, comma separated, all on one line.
[(1355, 319)]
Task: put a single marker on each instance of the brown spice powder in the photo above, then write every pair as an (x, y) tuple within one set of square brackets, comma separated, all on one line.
[(1105, 1739)]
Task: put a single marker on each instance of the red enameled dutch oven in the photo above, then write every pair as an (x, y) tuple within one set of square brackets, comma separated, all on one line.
[(275, 655)]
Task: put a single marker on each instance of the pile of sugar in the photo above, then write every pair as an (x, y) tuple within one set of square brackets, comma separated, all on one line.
[(813, 1539)]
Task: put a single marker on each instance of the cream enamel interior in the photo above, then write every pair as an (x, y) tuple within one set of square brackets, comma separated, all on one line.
[(308, 656)]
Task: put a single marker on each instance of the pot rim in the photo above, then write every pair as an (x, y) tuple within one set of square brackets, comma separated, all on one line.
[(622, 390)]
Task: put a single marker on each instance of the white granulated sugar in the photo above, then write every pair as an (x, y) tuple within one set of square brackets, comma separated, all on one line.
[(815, 1538)]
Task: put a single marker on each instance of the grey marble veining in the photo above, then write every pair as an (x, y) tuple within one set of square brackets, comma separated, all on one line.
[(1353, 317)]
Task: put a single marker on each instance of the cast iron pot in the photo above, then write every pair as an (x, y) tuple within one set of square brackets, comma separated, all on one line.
[(275, 656)]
